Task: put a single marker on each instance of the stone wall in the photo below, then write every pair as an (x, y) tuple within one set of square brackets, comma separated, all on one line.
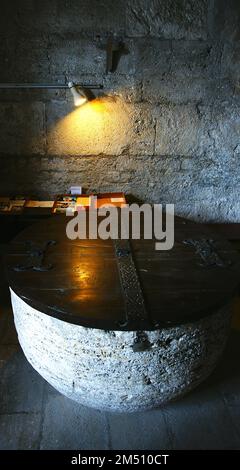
[(166, 126)]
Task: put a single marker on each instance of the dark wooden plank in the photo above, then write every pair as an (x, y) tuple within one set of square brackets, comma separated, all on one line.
[(83, 285), (231, 231)]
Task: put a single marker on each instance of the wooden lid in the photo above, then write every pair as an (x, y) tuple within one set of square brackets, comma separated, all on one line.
[(83, 282)]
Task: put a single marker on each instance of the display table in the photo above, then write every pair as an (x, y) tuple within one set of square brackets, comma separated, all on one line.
[(122, 329)]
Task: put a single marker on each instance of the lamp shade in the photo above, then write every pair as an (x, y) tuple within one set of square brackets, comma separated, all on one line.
[(78, 93)]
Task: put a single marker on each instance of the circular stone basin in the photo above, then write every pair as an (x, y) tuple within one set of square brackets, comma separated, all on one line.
[(120, 326)]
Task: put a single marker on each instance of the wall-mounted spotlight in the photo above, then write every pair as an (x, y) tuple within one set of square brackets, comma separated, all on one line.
[(79, 91), (79, 95)]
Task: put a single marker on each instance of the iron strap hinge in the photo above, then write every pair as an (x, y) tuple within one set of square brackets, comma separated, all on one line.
[(36, 257), (207, 252), (135, 308)]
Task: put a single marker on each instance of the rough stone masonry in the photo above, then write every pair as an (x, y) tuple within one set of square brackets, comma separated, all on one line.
[(168, 127)]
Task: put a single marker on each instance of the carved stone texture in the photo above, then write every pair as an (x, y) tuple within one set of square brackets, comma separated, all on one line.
[(102, 369)]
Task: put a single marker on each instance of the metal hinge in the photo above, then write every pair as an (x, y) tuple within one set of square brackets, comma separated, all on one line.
[(36, 255), (206, 249)]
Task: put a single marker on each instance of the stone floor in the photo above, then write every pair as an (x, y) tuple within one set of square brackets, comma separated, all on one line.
[(35, 416)]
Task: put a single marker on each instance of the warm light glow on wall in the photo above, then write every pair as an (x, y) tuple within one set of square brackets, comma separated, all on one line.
[(99, 126)]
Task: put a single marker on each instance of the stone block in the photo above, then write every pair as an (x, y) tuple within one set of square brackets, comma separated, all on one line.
[(225, 24), (29, 16), (152, 57), (142, 129), (223, 126), (7, 57), (31, 60), (56, 59), (195, 423), (230, 63), (195, 59), (178, 130), (22, 128), (21, 387), (154, 432), (230, 389), (60, 15), (107, 126), (20, 431), (6, 352), (129, 88), (181, 72), (8, 334), (102, 16), (32, 95), (74, 59), (169, 19), (75, 427), (174, 90)]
